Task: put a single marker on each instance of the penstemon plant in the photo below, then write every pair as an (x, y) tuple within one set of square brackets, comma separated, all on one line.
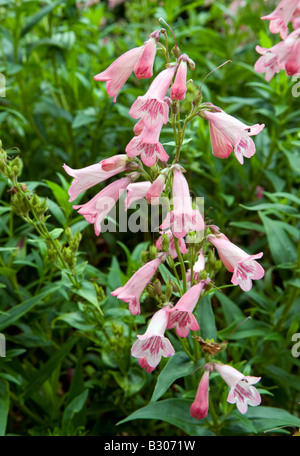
[(179, 268)]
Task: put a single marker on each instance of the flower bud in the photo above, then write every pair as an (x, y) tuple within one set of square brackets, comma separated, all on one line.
[(165, 242), (169, 290), (152, 252), (117, 161), (176, 52)]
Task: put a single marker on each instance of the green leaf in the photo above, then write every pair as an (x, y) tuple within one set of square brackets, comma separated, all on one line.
[(88, 292), (173, 411), (39, 377), (37, 17), (265, 418), (4, 405), (277, 206), (61, 196), (206, 318), (75, 406), (248, 226), (179, 365), (76, 320), (131, 383), (16, 312), (232, 312), (281, 246), (56, 212), (281, 376)]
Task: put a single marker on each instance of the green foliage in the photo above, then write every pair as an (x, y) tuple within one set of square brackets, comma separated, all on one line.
[(68, 368)]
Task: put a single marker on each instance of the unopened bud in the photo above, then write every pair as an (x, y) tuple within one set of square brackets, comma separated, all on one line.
[(16, 166), (169, 290), (214, 229), (152, 252), (197, 100), (176, 52), (165, 242), (155, 34), (117, 161), (175, 107), (144, 256), (19, 204), (68, 233), (191, 64), (157, 286)]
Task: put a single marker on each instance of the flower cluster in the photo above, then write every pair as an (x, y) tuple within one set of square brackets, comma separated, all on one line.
[(284, 55), (150, 174)]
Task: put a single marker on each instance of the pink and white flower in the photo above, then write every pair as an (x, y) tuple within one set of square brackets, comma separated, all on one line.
[(283, 55), (89, 176), (199, 407), (152, 345), (136, 191), (95, 210), (156, 189), (131, 292), (295, 19), (152, 107), (172, 248), (183, 218), (244, 267), (292, 65), (241, 393), (181, 316), (281, 16), (227, 132), (139, 59), (148, 146)]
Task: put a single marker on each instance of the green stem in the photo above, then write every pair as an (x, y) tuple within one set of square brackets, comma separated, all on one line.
[(182, 266)]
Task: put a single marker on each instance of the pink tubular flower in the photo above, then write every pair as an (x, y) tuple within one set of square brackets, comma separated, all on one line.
[(295, 19), (292, 65), (89, 176), (270, 60), (95, 210), (156, 189), (135, 192), (178, 89), (244, 267), (144, 65), (139, 59), (281, 16), (172, 248), (143, 363), (283, 55), (131, 292), (183, 218), (181, 316), (148, 146), (199, 407), (152, 345), (241, 391), (227, 132), (152, 107)]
